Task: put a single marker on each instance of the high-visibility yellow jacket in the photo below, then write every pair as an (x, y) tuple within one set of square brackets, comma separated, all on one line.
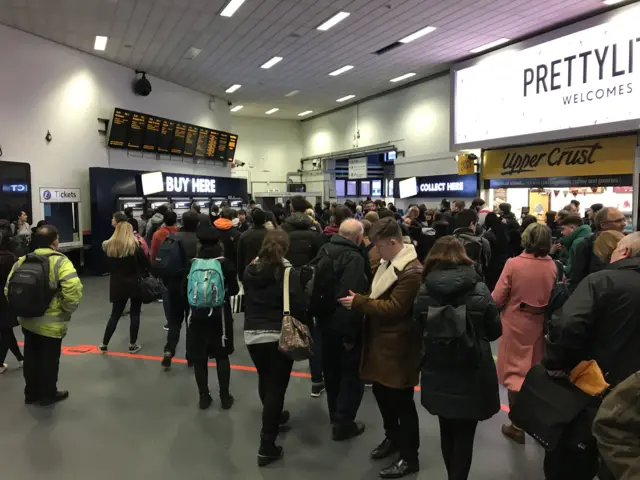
[(55, 321)]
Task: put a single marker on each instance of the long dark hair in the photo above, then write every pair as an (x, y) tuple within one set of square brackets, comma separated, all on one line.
[(448, 251), (273, 250)]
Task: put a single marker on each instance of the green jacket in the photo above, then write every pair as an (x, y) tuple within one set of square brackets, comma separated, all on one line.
[(617, 429), (571, 243), (55, 321)]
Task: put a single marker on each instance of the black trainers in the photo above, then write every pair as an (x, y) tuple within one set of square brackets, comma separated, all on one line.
[(134, 348), (58, 397), (205, 401), (166, 360), (226, 402), (103, 348), (345, 432), (384, 450), (284, 417), (317, 389), (269, 453), (400, 468)]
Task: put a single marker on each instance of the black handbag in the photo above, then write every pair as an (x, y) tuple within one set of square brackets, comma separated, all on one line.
[(554, 411), (148, 288)]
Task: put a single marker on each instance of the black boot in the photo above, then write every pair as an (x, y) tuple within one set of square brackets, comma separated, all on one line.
[(342, 432), (268, 453), (226, 401), (384, 450), (205, 401), (400, 468), (58, 397)]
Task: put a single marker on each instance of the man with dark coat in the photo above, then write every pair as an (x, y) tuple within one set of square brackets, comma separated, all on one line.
[(250, 241), (391, 346), (598, 322), (229, 234), (342, 331)]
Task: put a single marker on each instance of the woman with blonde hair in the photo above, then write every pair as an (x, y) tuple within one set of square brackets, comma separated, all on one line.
[(522, 293), (126, 261), (605, 244)]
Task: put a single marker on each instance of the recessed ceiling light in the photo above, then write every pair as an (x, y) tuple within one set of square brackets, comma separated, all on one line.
[(418, 34), (192, 53), (233, 88), (402, 77), (612, 2), (490, 45), (271, 62), (231, 8), (337, 18), (306, 112), (292, 93), (344, 99), (273, 110), (236, 108), (100, 43), (346, 68)]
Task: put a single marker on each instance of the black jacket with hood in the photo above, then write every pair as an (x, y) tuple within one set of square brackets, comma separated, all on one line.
[(600, 321), (229, 236), (305, 239), (249, 245), (470, 394), (351, 271)]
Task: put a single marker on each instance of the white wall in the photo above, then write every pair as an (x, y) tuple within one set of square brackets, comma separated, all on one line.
[(269, 148), (46, 86)]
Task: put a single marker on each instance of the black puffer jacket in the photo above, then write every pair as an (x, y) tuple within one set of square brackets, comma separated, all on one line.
[(305, 239), (470, 394), (7, 319), (600, 321)]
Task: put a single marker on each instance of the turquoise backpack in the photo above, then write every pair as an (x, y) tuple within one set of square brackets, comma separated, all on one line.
[(205, 287)]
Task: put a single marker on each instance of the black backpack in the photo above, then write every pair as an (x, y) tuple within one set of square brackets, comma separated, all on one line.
[(449, 337), (170, 261), (322, 301), (29, 291), (560, 293), (481, 260)]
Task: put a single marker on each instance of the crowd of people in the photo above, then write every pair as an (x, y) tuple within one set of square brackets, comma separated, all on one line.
[(392, 299)]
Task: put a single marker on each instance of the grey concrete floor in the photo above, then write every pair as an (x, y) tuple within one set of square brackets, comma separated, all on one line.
[(126, 418)]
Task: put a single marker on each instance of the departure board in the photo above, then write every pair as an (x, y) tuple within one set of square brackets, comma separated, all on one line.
[(151, 134), (221, 149), (213, 144), (166, 136), (137, 128), (177, 145), (140, 131), (203, 140), (231, 147), (191, 140), (120, 128)]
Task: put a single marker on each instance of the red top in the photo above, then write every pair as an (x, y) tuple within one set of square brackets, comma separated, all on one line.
[(159, 237)]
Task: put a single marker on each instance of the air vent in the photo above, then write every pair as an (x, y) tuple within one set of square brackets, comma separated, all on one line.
[(388, 48)]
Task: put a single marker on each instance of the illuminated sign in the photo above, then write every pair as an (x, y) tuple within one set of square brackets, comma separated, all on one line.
[(195, 185), (59, 195), (442, 186), (15, 188)]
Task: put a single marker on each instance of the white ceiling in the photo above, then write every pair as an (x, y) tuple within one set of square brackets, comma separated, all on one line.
[(154, 35)]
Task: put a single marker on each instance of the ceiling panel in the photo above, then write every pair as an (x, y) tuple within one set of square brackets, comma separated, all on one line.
[(154, 35)]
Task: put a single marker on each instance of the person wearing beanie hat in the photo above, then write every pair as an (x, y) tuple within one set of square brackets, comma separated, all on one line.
[(211, 330)]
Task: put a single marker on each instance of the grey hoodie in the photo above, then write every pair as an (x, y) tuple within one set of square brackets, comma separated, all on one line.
[(153, 225)]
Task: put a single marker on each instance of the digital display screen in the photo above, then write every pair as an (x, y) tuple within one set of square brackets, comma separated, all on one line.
[(15, 188), (119, 128), (390, 156), (390, 188), (152, 183), (352, 188), (137, 128), (376, 188), (203, 140), (212, 145), (408, 188), (340, 188), (231, 147), (191, 141), (151, 134), (365, 188), (166, 135), (179, 135), (221, 149)]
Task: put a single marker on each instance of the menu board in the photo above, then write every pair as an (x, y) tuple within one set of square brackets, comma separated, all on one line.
[(166, 135), (179, 135), (139, 131), (151, 134), (352, 188), (119, 128), (191, 140), (203, 141), (137, 128)]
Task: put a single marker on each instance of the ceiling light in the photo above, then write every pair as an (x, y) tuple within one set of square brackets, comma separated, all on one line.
[(488, 46), (273, 110), (100, 43), (192, 53), (344, 99), (402, 77), (307, 112), (272, 62), (337, 18), (292, 93), (231, 8), (612, 2), (346, 68), (236, 108), (418, 34), (233, 88)]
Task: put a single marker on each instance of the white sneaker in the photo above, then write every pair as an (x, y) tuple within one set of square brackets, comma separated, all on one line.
[(134, 348), (3, 367), (21, 364)]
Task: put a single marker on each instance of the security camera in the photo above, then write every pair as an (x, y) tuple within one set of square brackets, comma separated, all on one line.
[(239, 163), (229, 103), (142, 86)]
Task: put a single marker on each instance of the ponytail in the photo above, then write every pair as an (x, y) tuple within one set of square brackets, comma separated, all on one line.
[(274, 248)]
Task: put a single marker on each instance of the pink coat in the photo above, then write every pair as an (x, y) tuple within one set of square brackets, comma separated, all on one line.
[(525, 279)]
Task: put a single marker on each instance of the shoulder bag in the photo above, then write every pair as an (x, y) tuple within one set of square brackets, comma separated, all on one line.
[(295, 338), (148, 288)]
